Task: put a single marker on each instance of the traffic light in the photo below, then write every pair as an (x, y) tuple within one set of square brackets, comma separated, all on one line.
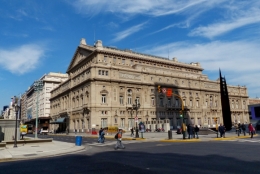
[(159, 89), (180, 113)]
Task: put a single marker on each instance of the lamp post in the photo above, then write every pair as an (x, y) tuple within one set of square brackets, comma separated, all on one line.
[(16, 107), (131, 112), (38, 85), (136, 106)]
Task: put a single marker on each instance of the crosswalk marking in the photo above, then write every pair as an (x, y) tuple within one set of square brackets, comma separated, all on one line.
[(111, 143), (252, 141)]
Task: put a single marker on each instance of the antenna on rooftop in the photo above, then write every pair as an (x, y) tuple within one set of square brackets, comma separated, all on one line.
[(168, 51), (94, 33)]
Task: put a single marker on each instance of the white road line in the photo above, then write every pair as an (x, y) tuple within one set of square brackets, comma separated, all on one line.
[(112, 143), (252, 141)]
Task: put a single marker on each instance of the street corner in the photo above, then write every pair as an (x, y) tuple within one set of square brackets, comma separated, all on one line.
[(180, 140), (246, 136)]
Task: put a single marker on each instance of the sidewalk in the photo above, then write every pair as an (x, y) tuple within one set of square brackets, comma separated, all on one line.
[(163, 136), (37, 150)]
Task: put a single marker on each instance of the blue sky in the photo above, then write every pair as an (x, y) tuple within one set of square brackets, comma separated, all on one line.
[(38, 37)]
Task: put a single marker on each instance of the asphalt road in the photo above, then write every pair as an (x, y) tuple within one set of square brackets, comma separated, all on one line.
[(239, 156)]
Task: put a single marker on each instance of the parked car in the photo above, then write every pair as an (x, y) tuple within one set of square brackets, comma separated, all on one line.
[(44, 131)]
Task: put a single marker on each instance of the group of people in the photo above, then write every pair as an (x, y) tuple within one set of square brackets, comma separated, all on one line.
[(239, 128), (242, 127), (193, 131), (118, 137)]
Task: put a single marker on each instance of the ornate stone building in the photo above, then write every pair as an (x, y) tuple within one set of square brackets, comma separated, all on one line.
[(104, 83)]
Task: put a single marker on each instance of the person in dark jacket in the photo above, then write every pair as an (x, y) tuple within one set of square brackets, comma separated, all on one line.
[(196, 130), (221, 130), (99, 134), (190, 130), (132, 131), (243, 127)]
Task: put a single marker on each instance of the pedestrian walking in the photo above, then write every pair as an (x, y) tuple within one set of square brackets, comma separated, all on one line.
[(196, 130), (132, 132), (221, 130), (102, 136), (243, 127), (99, 134), (251, 129), (118, 138)]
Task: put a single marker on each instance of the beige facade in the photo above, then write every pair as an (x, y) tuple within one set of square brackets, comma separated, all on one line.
[(104, 83)]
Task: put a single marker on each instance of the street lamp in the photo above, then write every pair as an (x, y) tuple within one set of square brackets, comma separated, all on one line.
[(38, 85), (131, 112), (136, 106), (16, 108)]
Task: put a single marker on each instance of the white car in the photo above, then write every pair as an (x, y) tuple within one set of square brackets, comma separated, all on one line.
[(44, 131)]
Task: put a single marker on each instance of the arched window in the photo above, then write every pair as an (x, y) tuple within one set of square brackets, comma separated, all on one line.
[(129, 96)]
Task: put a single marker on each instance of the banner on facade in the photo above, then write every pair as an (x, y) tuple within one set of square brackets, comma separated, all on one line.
[(164, 90), (169, 92)]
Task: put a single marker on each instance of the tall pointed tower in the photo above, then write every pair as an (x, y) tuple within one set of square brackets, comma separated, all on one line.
[(226, 113)]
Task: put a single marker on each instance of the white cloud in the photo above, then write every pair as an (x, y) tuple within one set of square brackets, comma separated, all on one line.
[(237, 18), (123, 34), (239, 60), (21, 59), (146, 7)]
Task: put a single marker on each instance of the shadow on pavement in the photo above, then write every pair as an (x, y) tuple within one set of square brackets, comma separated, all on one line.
[(134, 162)]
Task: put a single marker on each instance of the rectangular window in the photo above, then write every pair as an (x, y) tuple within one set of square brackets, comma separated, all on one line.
[(169, 102), (191, 103), (106, 73), (121, 99), (99, 72), (197, 103), (103, 98), (103, 122), (123, 61), (103, 72), (114, 60), (137, 100), (131, 62), (177, 103), (161, 101), (129, 100), (122, 122), (105, 58)]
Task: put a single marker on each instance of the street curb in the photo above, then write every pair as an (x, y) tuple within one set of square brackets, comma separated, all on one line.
[(107, 137), (182, 140), (233, 138), (44, 156)]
